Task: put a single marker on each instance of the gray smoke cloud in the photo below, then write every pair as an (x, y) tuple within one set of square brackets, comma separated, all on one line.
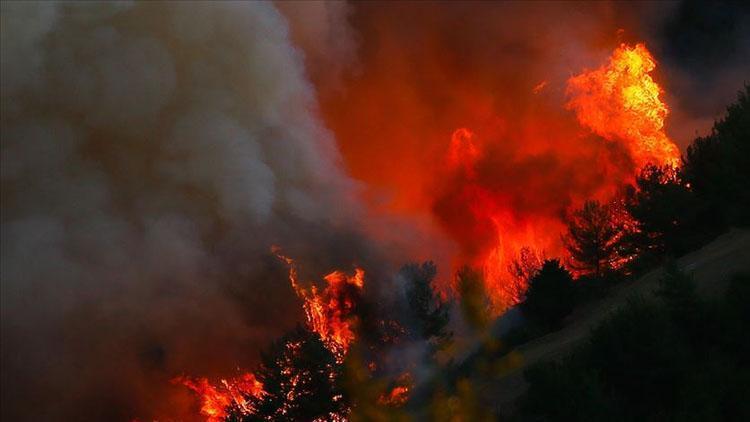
[(151, 155)]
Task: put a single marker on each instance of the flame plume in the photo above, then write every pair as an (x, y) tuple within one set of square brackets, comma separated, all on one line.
[(217, 399), (329, 311), (620, 102)]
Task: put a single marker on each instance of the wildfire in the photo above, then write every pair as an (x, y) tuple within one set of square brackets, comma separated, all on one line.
[(500, 224), (620, 102), (329, 312), (491, 217), (216, 400)]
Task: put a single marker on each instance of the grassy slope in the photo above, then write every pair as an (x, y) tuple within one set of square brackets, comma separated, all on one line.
[(710, 266)]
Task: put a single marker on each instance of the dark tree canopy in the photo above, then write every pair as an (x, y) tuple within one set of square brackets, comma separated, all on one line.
[(676, 360), (662, 205), (300, 378), (550, 296), (429, 312), (594, 239), (475, 304), (718, 166)]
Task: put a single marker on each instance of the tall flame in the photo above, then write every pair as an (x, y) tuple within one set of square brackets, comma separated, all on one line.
[(329, 312), (620, 102)]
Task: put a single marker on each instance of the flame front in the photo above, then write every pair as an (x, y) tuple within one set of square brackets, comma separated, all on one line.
[(329, 312), (504, 232), (217, 399), (620, 102)]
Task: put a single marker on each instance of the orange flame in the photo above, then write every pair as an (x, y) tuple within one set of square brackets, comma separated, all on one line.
[(217, 399), (396, 397), (620, 102), (398, 394), (491, 217), (329, 312)]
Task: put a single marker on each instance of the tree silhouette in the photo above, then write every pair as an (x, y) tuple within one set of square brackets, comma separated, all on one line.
[(717, 166), (429, 312), (522, 269), (662, 206), (594, 239), (300, 378), (550, 295), (475, 304)]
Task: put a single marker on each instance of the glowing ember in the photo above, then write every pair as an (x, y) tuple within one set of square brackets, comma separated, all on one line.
[(329, 312), (396, 397), (217, 399), (620, 102), (398, 394)]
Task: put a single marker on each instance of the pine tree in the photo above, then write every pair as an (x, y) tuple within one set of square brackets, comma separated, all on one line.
[(594, 239), (429, 312), (300, 377), (550, 295), (663, 207)]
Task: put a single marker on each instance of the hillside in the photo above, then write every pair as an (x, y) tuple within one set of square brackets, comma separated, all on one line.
[(710, 267)]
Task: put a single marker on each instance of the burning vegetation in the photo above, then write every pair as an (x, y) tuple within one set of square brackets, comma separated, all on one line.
[(618, 102), (507, 235), (534, 167), (330, 322), (217, 400), (330, 312)]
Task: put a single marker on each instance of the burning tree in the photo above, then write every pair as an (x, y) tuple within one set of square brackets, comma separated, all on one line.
[(522, 269), (595, 239), (300, 377)]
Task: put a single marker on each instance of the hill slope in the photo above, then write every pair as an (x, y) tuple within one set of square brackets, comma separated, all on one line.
[(710, 266)]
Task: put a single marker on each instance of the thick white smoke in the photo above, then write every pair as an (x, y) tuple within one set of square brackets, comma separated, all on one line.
[(151, 154)]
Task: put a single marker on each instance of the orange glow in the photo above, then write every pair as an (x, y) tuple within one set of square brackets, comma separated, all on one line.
[(217, 399), (497, 219), (329, 311), (398, 394), (396, 397), (620, 101), (539, 87), (491, 217)]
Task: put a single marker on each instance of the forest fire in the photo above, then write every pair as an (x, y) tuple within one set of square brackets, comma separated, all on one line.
[(490, 168), (508, 234), (329, 312), (620, 102), (216, 400)]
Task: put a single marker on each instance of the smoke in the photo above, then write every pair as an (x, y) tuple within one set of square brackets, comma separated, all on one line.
[(321, 30), (151, 155), (705, 52), (500, 71)]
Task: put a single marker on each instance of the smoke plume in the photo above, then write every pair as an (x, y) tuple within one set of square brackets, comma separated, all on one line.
[(151, 155)]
